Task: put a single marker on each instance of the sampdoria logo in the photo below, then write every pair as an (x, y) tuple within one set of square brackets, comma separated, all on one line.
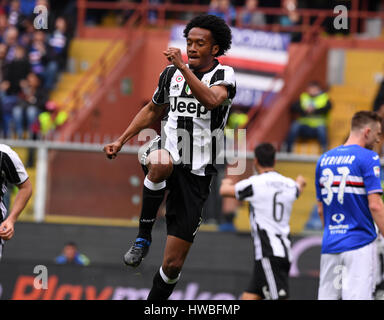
[(338, 217)]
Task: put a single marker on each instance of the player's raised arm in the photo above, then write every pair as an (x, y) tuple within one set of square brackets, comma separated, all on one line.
[(23, 195), (146, 116), (301, 183), (227, 188), (208, 97)]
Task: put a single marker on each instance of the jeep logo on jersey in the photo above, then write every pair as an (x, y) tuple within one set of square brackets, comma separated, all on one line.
[(189, 107), (338, 217)]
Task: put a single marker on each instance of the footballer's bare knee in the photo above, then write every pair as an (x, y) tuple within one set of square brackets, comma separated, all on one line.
[(172, 268), (160, 165)]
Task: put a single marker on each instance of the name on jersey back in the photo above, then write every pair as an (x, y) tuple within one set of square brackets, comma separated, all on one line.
[(337, 160)]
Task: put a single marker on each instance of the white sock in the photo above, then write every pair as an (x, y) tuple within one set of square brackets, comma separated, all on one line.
[(154, 186), (166, 279)]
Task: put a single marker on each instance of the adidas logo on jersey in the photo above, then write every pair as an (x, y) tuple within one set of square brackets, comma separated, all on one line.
[(188, 107)]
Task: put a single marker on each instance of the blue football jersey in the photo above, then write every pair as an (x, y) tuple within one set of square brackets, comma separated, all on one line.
[(345, 176)]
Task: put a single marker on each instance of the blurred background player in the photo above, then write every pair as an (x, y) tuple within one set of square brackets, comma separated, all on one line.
[(348, 190), (207, 88), (270, 196), (13, 172)]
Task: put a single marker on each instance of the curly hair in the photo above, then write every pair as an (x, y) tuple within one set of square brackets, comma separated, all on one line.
[(220, 31)]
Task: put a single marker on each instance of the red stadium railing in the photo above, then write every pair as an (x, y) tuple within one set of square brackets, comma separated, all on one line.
[(94, 77), (92, 83), (169, 13)]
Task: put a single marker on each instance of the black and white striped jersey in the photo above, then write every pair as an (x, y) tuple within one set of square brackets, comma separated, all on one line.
[(12, 171), (271, 197), (192, 133)]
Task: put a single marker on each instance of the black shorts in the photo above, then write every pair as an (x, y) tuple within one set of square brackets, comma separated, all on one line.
[(186, 197), (270, 278), (185, 201)]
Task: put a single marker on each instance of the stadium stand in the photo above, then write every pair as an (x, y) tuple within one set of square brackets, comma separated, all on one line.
[(357, 91)]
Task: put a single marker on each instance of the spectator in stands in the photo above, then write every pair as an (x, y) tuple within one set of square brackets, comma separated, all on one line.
[(291, 18), (17, 70), (56, 53), (3, 26), (11, 40), (27, 35), (31, 104), (38, 53), (250, 17), (15, 17), (3, 53), (292, 15), (313, 108), (8, 101), (224, 10), (71, 255), (27, 7), (152, 14), (51, 119), (3, 7)]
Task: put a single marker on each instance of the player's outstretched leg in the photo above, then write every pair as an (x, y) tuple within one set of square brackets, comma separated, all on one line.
[(153, 195)]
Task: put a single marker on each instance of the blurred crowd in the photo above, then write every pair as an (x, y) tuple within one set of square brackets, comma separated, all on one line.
[(33, 53), (248, 13)]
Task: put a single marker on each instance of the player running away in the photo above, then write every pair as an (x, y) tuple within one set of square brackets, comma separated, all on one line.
[(271, 197)]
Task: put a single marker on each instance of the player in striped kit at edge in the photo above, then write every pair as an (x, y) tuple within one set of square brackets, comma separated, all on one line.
[(198, 97), (348, 190), (12, 171), (271, 197)]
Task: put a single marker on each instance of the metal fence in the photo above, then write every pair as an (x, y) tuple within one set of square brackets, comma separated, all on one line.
[(43, 172)]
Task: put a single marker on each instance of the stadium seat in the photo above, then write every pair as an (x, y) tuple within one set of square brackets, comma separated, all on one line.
[(357, 93), (83, 54)]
